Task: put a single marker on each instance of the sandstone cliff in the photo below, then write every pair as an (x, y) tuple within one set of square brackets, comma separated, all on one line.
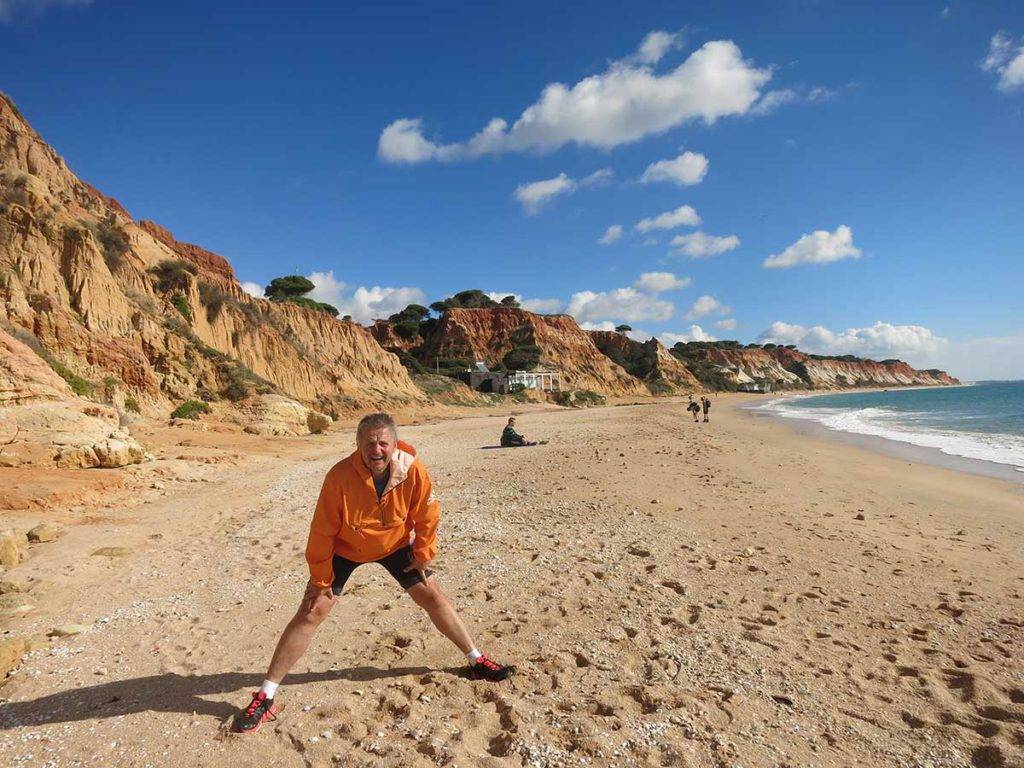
[(487, 335), (790, 368), (649, 361), (43, 422), (77, 273), (384, 332)]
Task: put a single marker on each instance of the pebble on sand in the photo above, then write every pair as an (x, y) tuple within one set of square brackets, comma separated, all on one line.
[(66, 630)]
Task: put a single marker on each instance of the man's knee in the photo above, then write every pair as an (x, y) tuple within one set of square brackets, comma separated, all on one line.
[(428, 595), (314, 614)]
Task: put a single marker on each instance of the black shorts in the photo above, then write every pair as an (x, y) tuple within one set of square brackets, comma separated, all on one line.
[(396, 563)]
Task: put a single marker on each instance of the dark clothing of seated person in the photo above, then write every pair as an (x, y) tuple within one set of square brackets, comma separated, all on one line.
[(512, 439)]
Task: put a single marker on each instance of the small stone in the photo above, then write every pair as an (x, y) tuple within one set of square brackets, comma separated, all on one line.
[(102, 672), (12, 548), (66, 630), (43, 532), (111, 552), (859, 516)]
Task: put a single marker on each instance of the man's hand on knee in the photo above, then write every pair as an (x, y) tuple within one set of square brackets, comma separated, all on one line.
[(314, 594), (418, 566)]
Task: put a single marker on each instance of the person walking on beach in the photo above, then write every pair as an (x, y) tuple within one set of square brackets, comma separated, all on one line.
[(706, 404), (375, 506), (694, 409)]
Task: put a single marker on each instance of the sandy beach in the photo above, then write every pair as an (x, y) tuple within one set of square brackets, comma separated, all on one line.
[(726, 594)]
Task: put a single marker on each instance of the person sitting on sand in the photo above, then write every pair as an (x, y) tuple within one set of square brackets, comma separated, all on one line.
[(706, 404), (375, 506), (512, 439), (694, 409)]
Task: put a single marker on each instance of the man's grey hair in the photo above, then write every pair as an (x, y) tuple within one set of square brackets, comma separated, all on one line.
[(374, 421)]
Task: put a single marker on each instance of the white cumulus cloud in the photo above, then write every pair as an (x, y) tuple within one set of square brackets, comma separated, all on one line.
[(729, 324), (819, 247), (536, 194), (693, 333), (611, 235), (253, 289), (540, 306), (636, 334), (699, 245), (773, 100), (683, 216), (1005, 58), (659, 282), (364, 304), (881, 340), (627, 304), (707, 305), (685, 170), (655, 45), (625, 103)]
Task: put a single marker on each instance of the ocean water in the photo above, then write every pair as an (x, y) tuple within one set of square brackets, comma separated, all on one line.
[(983, 421)]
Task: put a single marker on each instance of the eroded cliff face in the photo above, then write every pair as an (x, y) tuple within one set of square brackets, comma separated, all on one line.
[(792, 368), (489, 334), (384, 332), (649, 361), (98, 309)]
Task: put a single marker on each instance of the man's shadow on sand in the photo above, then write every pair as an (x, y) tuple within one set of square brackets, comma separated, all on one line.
[(169, 693)]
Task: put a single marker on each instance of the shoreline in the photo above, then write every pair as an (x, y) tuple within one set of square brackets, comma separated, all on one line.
[(897, 449)]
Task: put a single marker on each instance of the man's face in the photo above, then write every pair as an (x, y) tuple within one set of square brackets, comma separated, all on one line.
[(376, 447)]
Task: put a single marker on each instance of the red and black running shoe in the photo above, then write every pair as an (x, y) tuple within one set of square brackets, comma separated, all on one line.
[(260, 710), (486, 669)]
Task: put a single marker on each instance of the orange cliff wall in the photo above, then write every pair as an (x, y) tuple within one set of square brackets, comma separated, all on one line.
[(104, 317), (489, 334)]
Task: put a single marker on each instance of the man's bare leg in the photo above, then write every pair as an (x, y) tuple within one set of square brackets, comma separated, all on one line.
[(429, 596), (300, 630)]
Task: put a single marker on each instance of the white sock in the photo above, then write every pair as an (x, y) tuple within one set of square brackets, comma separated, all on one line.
[(473, 655), (269, 687)]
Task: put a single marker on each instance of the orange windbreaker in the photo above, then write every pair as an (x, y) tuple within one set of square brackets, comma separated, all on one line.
[(351, 521)]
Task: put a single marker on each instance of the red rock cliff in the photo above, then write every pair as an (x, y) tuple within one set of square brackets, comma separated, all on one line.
[(488, 335), (792, 368), (649, 361)]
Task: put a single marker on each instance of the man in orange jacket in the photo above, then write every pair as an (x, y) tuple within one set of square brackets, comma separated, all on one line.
[(372, 504)]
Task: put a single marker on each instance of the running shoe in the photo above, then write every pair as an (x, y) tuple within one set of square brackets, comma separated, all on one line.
[(260, 710), (486, 669)]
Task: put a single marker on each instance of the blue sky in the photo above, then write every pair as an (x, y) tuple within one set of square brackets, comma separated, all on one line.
[(876, 151)]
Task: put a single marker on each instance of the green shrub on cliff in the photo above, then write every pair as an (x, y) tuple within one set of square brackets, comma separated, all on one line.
[(173, 274), (293, 289), (213, 298), (78, 385), (471, 299), (525, 357), (181, 304), (190, 409)]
